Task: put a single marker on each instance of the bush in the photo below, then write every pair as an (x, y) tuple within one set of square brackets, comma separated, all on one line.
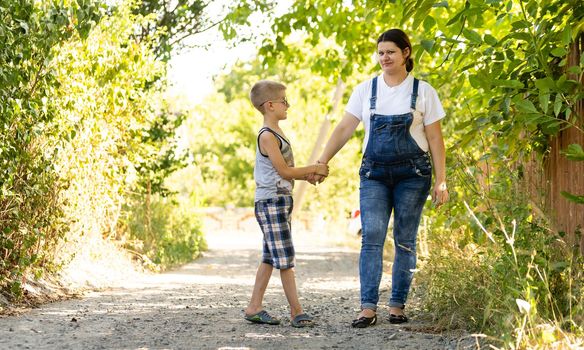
[(505, 273), (163, 234)]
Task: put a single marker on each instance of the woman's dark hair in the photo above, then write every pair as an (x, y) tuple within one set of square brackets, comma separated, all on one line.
[(398, 37)]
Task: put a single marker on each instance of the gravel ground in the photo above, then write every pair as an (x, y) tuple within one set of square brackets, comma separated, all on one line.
[(200, 306)]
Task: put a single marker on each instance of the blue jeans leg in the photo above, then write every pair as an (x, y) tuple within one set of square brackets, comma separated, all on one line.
[(410, 195), (375, 203)]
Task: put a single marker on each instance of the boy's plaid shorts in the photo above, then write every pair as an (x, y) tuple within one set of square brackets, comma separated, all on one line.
[(273, 215)]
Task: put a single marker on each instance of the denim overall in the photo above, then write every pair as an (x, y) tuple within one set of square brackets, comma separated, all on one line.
[(395, 176)]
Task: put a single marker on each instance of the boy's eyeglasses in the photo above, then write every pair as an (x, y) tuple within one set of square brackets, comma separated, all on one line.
[(284, 101)]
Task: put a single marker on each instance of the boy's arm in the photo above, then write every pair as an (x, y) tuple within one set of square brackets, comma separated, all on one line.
[(269, 144)]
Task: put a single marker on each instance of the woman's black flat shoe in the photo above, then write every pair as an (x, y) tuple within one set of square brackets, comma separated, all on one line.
[(397, 319), (364, 322)]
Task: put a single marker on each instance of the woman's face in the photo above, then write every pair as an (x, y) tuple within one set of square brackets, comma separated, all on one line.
[(391, 58)]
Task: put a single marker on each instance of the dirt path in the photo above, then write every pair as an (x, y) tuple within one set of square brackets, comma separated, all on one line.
[(199, 306)]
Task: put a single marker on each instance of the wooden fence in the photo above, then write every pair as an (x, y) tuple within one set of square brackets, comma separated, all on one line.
[(546, 181)]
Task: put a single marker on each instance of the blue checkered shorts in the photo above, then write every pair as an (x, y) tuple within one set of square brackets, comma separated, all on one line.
[(273, 215)]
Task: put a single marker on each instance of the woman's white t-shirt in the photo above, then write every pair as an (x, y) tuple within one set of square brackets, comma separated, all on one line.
[(397, 100)]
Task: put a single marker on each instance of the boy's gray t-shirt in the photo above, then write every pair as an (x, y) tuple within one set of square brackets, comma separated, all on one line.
[(269, 184)]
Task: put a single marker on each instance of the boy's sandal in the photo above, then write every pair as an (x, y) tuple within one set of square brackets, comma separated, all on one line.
[(364, 322), (397, 319), (262, 317), (302, 320)]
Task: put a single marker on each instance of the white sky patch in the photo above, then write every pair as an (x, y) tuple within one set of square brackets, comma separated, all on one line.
[(191, 71)]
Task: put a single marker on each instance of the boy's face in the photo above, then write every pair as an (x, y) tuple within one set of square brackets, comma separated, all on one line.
[(279, 105)]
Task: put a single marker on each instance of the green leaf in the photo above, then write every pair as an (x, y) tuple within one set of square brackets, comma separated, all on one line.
[(456, 18), (573, 198), (574, 70), (520, 24), (567, 35), (16, 288), (559, 52), (526, 106), (545, 84), (558, 104), (515, 84), (475, 81), (419, 54), (441, 4), (517, 35), (8, 244), (489, 39), (574, 152), (559, 266), (429, 23), (428, 45), (544, 101), (472, 36), (550, 126)]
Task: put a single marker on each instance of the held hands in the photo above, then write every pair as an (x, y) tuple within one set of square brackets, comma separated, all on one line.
[(321, 171), (439, 194)]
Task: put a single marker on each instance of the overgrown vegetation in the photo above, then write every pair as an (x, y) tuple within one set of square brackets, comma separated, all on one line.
[(31, 206), (170, 236), (83, 130), (504, 272)]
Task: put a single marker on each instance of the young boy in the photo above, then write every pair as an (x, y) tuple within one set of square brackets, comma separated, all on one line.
[(274, 175)]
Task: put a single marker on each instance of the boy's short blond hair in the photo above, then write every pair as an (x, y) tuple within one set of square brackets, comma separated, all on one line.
[(264, 90)]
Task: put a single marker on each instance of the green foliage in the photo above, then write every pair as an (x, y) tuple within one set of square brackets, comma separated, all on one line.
[(353, 27), (238, 17), (158, 156), (519, 93), (170, 24), (505, 254), (83, 126), (31, 213), (223, 144), (575, 152), (123, 147), (172, 237), (508, 58)]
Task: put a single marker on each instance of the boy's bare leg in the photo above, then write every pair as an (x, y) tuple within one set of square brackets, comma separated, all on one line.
[(289, 284), (259, 289)]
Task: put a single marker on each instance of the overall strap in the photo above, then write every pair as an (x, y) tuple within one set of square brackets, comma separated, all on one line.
[(414, 94), (373, 98)]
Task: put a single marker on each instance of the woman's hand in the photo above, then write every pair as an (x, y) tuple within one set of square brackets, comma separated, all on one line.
[(439, 194), (321, 169)]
